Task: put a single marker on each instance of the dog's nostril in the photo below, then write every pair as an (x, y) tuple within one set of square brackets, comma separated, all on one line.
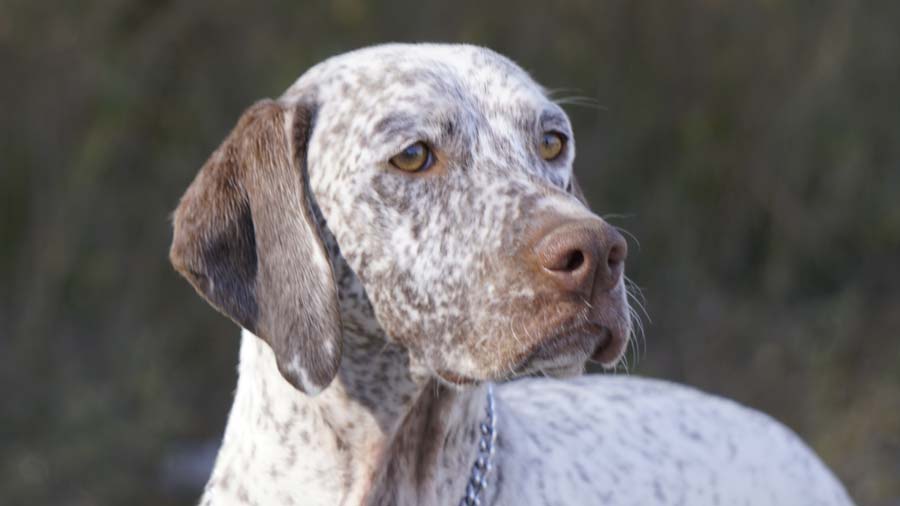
[(616, 256), (582, 255), (574, 261), (569, 257)]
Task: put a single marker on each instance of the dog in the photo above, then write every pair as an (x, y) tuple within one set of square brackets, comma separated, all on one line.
[(400, 235)]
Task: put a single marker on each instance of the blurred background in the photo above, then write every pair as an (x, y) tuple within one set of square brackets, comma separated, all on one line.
[(752, 147)]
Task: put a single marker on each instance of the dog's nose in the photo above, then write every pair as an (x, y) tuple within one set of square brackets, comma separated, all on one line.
[(583, 256)]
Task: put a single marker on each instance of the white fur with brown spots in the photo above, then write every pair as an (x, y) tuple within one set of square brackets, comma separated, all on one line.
[(378, 302)]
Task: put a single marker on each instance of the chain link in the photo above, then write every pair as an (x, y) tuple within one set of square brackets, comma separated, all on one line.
[(484, 461)]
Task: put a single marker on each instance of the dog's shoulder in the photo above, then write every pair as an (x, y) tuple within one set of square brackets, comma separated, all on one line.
[(628, 440)]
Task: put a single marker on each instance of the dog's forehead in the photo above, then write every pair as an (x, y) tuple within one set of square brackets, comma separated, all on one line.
[(430, 76)]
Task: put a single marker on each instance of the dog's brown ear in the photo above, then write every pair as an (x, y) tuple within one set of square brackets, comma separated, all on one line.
[(246, 238)]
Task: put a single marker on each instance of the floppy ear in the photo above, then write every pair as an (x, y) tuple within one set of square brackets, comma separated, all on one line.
[(245, 237)]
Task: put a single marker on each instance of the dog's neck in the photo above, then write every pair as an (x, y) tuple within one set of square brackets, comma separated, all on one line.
[(377, 435)]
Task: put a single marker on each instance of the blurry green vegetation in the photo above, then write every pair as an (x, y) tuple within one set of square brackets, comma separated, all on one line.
[(752, 147)]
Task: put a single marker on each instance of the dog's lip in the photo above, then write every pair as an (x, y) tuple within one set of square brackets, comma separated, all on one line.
[(572, 340), (591, 340), (611, 348), (578, 342), (565, 347)]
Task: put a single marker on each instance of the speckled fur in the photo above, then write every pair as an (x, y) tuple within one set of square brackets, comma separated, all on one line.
[(434, 281)]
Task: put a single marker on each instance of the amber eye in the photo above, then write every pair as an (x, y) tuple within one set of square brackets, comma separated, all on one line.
[(413, 158), (552, 145)]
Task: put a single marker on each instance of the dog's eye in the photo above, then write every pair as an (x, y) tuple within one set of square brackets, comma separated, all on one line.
[(552, 144), (414, 158)]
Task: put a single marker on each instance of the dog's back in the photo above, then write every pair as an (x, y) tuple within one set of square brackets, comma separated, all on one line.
[(628, 440)]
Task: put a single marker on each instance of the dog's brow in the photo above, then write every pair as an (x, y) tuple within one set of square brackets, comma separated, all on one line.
[(551, 119), (408, 126), (394, 125)]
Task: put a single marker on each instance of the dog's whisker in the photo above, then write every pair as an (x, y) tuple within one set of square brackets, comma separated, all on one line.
[(627, 233)]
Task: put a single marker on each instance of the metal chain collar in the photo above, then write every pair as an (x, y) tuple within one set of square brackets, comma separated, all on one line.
[(484, 462)]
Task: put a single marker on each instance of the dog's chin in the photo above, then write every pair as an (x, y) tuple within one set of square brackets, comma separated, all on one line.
[(560, 367), (561, 355), (459, 382), (564, 365), (564, 354), (455, 380), (564, 372)]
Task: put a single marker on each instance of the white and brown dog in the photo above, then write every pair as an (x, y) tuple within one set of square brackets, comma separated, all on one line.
[(396, 232)]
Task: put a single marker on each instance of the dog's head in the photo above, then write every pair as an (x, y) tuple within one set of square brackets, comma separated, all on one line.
[(443, 177)]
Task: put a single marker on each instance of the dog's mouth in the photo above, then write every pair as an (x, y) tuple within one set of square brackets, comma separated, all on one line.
[(561, 354), (572, 347)]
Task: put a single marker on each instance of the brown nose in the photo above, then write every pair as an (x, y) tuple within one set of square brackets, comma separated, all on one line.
[(583, 256)]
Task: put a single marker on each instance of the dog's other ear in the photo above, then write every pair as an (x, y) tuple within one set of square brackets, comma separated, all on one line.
[(246, 238), (575, 189)]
